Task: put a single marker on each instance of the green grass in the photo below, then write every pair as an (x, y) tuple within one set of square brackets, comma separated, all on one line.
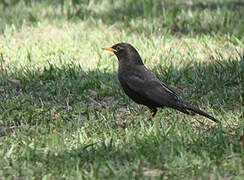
[(63, 114)]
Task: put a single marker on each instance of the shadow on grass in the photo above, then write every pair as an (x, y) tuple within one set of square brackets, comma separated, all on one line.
[(166, 16), (31, 95), (218, 85), (207, 150), (176, 18)]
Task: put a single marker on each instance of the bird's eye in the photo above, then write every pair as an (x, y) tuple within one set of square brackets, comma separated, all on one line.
[(119, 48)]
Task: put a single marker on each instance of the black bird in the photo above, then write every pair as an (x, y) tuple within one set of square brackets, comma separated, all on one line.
[(143, 87)]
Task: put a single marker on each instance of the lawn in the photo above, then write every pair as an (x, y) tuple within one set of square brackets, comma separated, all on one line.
[(63, 114)]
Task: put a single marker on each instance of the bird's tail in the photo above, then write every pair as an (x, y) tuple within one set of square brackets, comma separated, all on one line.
[(188, 106)]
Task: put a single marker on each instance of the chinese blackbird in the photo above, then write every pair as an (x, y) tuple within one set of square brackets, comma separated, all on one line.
[(143, 87)]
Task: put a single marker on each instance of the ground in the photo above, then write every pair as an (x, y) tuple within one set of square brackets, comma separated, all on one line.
[(64, 115)]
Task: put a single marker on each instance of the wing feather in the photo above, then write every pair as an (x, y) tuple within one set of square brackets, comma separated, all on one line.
[(147, 86)]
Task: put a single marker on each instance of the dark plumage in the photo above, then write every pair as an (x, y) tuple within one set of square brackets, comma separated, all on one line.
[(143, 87)]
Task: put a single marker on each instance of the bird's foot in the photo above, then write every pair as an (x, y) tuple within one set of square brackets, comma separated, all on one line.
[(153, 113)]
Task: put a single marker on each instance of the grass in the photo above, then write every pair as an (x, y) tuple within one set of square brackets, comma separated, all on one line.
[(63, 114)]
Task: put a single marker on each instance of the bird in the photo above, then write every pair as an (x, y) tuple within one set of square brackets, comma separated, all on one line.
[(143, 87)]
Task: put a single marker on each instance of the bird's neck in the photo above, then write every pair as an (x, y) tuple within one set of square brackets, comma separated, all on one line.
[(123, 67), (130, 61)]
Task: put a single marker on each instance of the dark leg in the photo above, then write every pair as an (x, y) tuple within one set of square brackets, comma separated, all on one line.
[(153, 112)]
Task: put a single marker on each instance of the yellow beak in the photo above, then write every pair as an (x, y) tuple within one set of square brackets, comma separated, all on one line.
[(109, 49)]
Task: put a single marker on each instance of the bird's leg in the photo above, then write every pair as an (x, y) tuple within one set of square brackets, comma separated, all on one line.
[(153, 112)]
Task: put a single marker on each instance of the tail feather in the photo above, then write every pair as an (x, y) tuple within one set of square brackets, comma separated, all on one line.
[(188, 106)]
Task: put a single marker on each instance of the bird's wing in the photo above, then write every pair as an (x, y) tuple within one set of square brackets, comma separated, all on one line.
[(149, 87)]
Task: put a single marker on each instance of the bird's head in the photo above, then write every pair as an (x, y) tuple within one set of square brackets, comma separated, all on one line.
[(125, 53)]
